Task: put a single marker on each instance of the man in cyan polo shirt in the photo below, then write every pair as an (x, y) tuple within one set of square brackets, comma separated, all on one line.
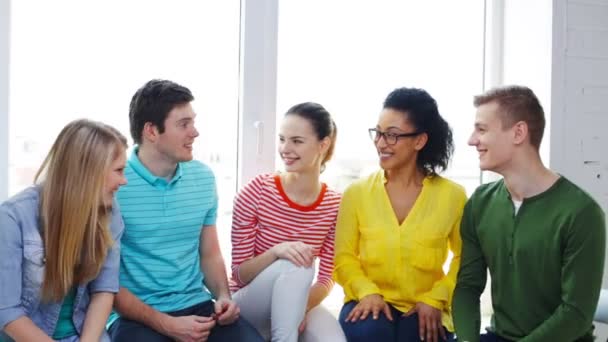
[(172, 277)]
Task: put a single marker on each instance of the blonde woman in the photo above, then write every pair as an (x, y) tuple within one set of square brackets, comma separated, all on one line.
[(59, 240)]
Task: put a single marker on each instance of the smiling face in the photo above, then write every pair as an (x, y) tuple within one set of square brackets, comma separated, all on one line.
[(494, 143), (114, 178), (175, 143), (405, 151), (299, 147)]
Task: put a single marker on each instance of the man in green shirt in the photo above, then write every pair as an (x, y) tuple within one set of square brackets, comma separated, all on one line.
[(540, 235)]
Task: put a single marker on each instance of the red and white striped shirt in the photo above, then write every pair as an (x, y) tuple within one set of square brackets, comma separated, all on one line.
[(264, 216)]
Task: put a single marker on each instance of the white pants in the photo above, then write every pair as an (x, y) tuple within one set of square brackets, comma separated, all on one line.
[(274, 303)]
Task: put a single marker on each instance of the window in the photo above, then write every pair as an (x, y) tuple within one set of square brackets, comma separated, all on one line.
[(349, 60), (72, 59)]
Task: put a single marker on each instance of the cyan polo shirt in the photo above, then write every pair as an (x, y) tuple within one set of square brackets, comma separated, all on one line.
[(163, 220)]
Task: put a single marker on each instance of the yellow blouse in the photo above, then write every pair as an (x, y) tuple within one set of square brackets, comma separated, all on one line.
[(374, 254)]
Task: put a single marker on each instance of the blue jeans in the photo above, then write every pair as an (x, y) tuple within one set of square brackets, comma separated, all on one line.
[(129, 331), (400, 329)]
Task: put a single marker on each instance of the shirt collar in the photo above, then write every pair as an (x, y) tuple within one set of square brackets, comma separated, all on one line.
[(148, 176), (383, 179)]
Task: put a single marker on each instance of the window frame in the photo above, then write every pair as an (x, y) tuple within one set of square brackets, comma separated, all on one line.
[(258, 82)]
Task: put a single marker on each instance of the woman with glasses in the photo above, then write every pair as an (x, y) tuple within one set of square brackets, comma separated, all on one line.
[(60, 240), (281, 224), (396, 226)]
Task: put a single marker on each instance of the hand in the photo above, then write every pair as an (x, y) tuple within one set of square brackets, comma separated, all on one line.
[(373, 304), (189, 328), (299, 253), (226, 311), (429, 322), (302, 326)]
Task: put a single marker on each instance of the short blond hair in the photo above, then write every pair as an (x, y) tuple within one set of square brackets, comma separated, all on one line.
[(517, 103)]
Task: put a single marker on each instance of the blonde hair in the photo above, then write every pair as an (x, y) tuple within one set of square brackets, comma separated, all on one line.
[(74, 219), (517, 103)]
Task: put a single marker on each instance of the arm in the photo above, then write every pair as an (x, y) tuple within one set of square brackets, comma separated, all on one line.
[(212, 263), (317, 293), (96, 316), (211, 259), (23, 329), (348, 271), (108, 278), (179, 328), (471, 281), (252, 267), (130, 307), (105, 285), (13, 319), (214, 269), (582, 269), (324, 284), (440, 296), (297, 252), (246, 266)]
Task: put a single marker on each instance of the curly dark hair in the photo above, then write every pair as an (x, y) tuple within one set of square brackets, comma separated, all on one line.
[(421, 110)]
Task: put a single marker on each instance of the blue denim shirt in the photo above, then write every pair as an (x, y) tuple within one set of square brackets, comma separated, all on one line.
[(22, 267)]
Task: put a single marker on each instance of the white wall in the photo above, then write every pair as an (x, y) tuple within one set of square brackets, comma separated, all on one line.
[(580, 96), (527, 53)]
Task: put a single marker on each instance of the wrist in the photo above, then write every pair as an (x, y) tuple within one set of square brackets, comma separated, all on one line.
[(370, 295), (223, 296), (164, 324), (273, 253), (87, 338)]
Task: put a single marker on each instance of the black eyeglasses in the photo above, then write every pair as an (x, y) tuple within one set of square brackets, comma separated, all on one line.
[(389, 138)]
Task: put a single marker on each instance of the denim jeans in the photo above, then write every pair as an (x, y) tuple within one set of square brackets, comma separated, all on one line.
[(125, 330), (400, 329)]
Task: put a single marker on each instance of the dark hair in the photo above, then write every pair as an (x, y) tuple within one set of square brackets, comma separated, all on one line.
[(321, 121), (153, 102), (421, 111), (517, 103)]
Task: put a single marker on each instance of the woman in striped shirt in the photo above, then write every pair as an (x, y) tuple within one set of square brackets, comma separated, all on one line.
[(281, 224)]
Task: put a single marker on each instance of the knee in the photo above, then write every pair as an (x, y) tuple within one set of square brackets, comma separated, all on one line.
[(322, 326), (286, 266), (367, 330)]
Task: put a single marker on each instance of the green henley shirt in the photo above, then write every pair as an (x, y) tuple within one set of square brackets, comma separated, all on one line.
[(546, 263)]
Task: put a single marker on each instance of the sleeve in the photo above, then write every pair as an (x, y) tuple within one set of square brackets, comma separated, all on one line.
[(471, 281), (107, 279), (326, 256), (440, 296), (582, 270), (211, 216), (348, 270), (244, 225), (11, 253)]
